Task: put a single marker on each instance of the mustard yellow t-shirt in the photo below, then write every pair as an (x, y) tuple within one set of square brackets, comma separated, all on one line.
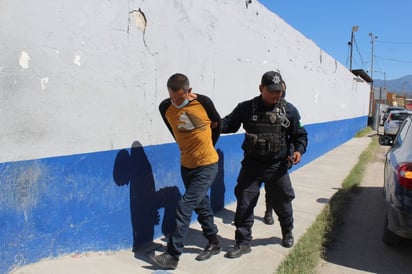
[(191, 128)]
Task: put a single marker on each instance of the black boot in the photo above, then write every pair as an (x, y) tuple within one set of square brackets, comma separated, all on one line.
[(287, 238), (209, 251), (213, 247), (237, 251), (165, 260), (268, 218)]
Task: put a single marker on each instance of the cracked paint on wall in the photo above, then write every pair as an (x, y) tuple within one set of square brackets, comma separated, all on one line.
[(139, 19), (76, 60), (43, 82), (24, 60)]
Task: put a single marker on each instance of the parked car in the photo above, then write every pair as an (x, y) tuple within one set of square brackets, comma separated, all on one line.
[(397, 189), (386, 113), (394, 121)]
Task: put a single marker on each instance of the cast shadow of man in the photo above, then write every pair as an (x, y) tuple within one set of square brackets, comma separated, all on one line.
[(135, 169), (218, 189), (217, 193)]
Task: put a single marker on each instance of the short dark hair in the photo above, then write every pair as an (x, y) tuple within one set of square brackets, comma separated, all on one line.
[(178, 81)]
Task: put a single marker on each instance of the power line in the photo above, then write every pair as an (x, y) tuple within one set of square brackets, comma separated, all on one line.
[(395, 60), (357, 49), (392, 42)]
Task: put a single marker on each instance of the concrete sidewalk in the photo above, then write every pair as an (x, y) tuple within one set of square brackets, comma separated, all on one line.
[(314, 184)]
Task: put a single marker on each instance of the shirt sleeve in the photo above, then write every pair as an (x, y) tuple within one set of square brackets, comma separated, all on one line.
[(232, 122), (298, 135), (213, 116), (164, 105)]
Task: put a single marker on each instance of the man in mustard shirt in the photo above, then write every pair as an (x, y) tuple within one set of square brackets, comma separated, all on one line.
[(195, 125)]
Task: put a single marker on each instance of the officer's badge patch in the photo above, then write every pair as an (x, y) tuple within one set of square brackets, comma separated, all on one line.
[(276, 80)]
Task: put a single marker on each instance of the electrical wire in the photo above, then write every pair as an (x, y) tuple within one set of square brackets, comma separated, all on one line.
[(357, 49), (392, 42), (394, 60)]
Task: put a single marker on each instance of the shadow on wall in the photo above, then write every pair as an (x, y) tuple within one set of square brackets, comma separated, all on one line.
[(217, 191), (135, 170), (50, 206)]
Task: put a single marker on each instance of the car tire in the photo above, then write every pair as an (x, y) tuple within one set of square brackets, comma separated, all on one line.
[(389, 238)]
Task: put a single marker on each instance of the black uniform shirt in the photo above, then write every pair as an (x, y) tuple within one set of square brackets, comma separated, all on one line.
[(296, 134)]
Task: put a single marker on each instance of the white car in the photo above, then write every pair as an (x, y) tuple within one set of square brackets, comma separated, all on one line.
[(394, 121), (386, 113)]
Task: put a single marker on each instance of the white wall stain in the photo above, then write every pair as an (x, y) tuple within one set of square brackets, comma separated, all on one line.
[(43, 82), (316, 99), (22, 182), (77, 60), (24, 60)]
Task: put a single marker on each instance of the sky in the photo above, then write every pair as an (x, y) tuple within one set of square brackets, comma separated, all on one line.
[(329, 24)]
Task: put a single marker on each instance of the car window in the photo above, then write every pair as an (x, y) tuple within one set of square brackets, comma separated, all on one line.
[(399, 116), (393, 108), (403, 132)]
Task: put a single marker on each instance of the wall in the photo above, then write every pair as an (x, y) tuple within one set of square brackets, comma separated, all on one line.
[(86, 162)]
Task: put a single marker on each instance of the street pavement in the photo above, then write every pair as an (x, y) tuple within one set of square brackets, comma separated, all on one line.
[(356, 245), (314, 184)]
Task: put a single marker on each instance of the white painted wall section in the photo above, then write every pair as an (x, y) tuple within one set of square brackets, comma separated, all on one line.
[(88, 76)]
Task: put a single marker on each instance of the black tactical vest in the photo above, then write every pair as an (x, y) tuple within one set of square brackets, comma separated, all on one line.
[(266, 132)]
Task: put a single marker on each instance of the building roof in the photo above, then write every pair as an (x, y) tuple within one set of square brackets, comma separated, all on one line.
[(362, 74)]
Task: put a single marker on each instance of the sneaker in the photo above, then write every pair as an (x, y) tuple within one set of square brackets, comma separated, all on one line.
[(268, 219), (237, 251), (165, 260), (210, 250), (287, 240)]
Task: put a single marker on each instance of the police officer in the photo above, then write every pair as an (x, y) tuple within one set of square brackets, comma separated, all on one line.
[(272, 126), (268, 217)]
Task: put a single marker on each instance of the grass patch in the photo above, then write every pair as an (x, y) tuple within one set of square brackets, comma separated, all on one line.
[(364, 132), (306, 254)]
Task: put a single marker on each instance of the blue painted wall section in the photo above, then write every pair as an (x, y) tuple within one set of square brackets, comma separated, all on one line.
[(327, 136), (114, 200)]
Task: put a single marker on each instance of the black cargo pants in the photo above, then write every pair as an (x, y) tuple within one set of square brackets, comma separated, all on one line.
[(280, 194)]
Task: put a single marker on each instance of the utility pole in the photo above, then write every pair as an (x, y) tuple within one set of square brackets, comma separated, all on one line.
[(384, 78), (372, 94), (354, 29), (373, 38)]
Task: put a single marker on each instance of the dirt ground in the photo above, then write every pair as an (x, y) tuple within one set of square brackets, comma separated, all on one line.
[(357, 245)]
